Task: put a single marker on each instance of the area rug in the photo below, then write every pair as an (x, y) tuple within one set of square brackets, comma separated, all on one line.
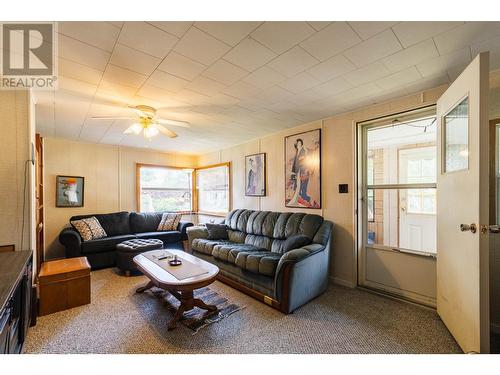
[(197, 318)]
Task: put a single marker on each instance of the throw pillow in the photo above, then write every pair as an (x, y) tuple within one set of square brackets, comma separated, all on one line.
[(217, 231), (169, 222), (296, 241), (89, 229)]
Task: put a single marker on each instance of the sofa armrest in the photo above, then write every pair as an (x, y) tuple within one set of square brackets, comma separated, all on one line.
[(183, 225), (301, 275), (196, 231), (72, 241)]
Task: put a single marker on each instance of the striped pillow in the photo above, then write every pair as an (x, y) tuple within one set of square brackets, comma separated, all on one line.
[(89, 229), (169, 222)]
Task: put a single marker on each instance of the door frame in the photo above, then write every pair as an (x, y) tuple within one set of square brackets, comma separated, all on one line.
[(361, 208)]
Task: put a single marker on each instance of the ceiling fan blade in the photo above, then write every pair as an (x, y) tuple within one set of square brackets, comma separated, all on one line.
[(113, 118), (182, 124), (165, 131)]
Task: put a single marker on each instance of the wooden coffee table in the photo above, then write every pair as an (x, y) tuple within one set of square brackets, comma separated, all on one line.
[(180, 289)]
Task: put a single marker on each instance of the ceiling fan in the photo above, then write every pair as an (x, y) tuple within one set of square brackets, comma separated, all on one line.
[(147, 122)]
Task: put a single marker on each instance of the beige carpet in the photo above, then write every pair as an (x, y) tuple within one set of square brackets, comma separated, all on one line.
[(342, 320)]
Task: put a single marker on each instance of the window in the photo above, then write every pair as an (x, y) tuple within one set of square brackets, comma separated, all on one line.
[(370, 195), (163, 188), (212, 185)]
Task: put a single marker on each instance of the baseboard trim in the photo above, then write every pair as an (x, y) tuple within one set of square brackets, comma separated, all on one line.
[(342, 282), (495, 328)]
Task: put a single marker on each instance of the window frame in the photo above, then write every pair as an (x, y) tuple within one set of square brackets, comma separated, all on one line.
[(138, 189), (229, 195)]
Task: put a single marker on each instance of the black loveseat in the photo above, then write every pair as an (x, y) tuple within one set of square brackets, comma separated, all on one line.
[(119, 226)]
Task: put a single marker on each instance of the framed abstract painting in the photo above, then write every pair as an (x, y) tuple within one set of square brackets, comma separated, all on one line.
[(69, 191), (303, 170), (255, 175)]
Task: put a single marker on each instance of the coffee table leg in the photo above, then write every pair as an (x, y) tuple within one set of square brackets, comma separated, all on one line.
[(149, 285), (202, 305)]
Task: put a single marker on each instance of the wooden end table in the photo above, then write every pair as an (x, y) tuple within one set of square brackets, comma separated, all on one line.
[(182, 290)]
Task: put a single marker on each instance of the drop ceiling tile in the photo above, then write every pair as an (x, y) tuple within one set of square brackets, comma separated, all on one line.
[(367, 74), (228, 32), (190, 97), (97, 110), (134, 60), (76, 90), (333, 87), (281, 36), (299, 83), (112, 92), (201, 47), (331, 40), (367, 29), (264, 77), (412, 32), (411, 56), (155, 93), (399, 79), (319, 25), (82, 53), (181, 66), (225, 72), (427, 83), (167, 81), (442, 63), (332, 68), (125, 77), (177, 28), (465, 35), (373, 49), (306, 97), (241, 90), (293, 61), (147, 38), (205, 86), (274, 94), (354, 95), (102, 35), (249, 55), (80, 72), (222, 100)]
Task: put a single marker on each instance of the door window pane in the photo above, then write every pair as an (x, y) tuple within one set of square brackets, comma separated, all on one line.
[(398, 220), (385, 143), (456, 135)]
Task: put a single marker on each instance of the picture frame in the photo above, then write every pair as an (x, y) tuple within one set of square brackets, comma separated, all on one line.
[(70, 191), (256, 175), (303, 169)]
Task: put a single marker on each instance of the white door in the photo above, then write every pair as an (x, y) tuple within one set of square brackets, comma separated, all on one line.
[(417, 216), (463, 207)]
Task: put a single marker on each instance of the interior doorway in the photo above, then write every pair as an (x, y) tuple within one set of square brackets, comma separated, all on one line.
[(397, 174)]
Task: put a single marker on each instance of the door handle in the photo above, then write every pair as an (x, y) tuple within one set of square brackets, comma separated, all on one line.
[(490, 228), (468, 227)]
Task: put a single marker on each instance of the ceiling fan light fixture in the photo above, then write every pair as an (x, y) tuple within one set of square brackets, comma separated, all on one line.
[(135, 129), (150, 131)]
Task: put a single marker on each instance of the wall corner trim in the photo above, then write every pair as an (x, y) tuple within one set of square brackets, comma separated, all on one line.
[(339, 281)]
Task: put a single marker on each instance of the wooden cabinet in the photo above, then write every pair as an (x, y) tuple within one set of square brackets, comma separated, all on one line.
[(15, 299)]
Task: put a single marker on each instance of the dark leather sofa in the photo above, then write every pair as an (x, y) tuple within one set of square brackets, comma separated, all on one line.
[(253, 260), (119, 226)]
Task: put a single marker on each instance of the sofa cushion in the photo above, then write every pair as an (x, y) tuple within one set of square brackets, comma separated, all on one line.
[(114, 224), (262, 262), (258, 241), (236, 236), (204, 245), (269, 224), (230, 250), (141, 222), (310, 225), (296, 241), (104, 244), (216, 231), (293, 224), (279, 228), (166, 236), (232, 219), (255, 222)]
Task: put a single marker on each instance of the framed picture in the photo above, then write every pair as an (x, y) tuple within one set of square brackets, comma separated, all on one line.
[(255, 175), (69, 191), (303, 170)]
